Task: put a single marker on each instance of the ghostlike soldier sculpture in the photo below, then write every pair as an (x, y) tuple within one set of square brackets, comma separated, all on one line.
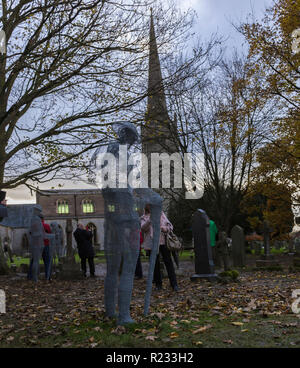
[(58, 251), (122, 226), (36, 244)]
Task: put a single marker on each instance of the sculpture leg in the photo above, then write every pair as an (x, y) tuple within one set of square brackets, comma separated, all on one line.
[(113, 262), (36, 256), (111, 284), (156, 208), (130, 256)]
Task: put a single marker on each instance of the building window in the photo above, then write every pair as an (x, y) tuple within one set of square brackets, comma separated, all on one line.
[(62, 207), (111, 208), (87, 206)]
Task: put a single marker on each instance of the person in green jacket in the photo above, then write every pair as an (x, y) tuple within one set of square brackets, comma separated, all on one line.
[(213, 231)]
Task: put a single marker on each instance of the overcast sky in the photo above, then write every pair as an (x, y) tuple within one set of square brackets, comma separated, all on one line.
[(212, 16), (218, 16)]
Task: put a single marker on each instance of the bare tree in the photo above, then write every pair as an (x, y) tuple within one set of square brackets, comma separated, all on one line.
[(71, 69), (223, 118)]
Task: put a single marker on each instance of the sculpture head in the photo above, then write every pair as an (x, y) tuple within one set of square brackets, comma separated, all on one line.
[(54, 226), (127, 133), (37, 211)]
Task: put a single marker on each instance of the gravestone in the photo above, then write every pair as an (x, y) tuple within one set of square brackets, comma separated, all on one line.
[(238, 246), (267, 260), (296, 258), (68, 268), (222, 247), (204, 266), (257, 245)]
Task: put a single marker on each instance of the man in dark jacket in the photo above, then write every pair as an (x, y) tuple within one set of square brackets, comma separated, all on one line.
[(85, 248)]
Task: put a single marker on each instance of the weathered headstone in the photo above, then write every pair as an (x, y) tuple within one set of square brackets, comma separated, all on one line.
[(296, 258), (238, 246), (257, 245), (68, 268), (223, 251), (204, 266), (267, 259)]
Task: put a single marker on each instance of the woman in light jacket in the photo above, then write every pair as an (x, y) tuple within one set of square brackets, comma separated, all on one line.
[(165, 228)]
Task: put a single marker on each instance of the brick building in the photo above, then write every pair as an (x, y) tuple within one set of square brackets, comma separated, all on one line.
[(85, 206)]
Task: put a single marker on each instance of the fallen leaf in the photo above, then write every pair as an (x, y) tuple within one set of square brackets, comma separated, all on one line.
[(202, 329), (98, 329), (237, 323), (198, 343), (151, 338), (120, 330)]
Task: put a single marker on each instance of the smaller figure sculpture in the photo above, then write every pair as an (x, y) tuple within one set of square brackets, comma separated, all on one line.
[(57, 231), (36, 243)]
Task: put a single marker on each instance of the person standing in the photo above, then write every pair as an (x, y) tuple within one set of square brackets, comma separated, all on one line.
[(83, 239), (165, 227), (46, 251), (213, 233)]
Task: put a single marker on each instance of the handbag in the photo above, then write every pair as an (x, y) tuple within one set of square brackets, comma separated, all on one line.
[(172, 242)]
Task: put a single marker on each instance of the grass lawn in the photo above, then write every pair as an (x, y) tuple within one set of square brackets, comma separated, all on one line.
[(99, 258), (254, 312)]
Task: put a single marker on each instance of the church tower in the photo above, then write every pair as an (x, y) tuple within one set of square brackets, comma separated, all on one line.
[(158, 129)]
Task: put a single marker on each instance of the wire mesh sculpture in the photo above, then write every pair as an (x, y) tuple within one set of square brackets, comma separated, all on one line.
[(122, 225), (57, 230), (36, 242)]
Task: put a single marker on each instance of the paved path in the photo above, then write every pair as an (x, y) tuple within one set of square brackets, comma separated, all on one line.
[(186, 268)]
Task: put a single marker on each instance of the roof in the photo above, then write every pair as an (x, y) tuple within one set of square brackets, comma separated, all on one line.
[(19, 215), (68, 191)]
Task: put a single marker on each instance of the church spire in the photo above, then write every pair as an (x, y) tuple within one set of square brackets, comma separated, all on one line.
[(156, 129), (156, 100)]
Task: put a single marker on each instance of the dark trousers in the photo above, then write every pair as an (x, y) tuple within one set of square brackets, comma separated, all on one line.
[(47, 262), (91, 265), (138, 268), (166, 255)]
